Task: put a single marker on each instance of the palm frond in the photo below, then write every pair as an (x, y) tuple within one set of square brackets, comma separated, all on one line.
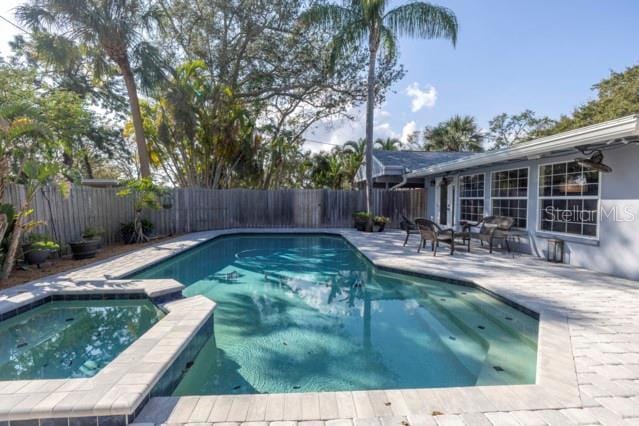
[(423, 20), (388, 44), (349, 38), (328, 17), (149, 65), (35, 17)]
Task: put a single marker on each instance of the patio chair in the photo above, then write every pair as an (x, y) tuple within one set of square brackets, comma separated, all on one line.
[(492, 228), (430, 231), (409, 226)]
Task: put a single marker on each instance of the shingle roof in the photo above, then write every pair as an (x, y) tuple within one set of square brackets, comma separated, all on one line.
[(414, 160)]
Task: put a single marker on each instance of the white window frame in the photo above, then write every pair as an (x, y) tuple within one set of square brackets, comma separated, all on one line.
[(461, 198), (527, 197), (540, 197)]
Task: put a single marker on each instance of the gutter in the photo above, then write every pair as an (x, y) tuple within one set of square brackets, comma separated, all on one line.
[(620, 128), (402, 183)]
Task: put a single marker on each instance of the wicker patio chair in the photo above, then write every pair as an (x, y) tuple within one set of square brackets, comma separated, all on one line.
[(430, 231), (491, 229), (409, 226)]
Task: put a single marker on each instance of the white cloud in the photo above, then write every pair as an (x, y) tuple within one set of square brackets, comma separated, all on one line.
[(408, 129), (382, 113), (337, 131), (421, 98), (384, 130)]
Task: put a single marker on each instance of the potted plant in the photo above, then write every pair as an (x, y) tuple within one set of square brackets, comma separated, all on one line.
[(360, 220), (88, 246), (33, 238), (94, 233), (146, 195), (128, 230), (380, 222), (38, 248)]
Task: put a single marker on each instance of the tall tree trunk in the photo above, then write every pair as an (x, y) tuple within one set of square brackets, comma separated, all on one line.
[(87, 166), (4, 225), (370, 108), (4, 173), (12, 250), (136, 117)]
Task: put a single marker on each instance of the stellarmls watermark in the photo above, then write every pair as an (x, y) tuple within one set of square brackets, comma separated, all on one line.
[(576, 214)]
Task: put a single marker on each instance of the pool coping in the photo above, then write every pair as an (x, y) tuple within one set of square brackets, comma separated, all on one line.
[(556, 385), (117, 392)]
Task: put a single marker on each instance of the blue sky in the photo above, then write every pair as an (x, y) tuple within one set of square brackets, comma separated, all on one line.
[(511, 55)]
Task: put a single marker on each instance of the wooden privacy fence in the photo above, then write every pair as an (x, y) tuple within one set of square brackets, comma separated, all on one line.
[(198, 209)]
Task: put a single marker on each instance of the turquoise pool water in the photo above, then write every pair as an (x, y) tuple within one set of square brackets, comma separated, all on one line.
[(300, 313), (64, 339)]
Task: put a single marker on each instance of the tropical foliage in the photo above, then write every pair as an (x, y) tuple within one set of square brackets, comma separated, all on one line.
[(146, 195), (459, 133), (35, 124), (117, 28), (337, 169), (507, 130), (617, 96), (388, 144)]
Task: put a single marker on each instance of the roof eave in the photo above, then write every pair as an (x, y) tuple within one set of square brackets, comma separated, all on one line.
[(610, 130)]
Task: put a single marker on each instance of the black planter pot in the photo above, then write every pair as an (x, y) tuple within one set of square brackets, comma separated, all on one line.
[(380, 227), (361, 225), (85, 249), (35, 256)]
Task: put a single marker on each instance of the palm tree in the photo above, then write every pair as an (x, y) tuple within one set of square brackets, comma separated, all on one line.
[(456, 134), (354, 156), (388, 144), (356, 148), (114, 26), (367, 24)]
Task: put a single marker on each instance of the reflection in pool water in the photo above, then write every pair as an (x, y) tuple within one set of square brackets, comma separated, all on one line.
[(302, 313), (65, 339)]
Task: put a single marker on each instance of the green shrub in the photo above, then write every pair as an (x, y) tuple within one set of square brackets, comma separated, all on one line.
[(45, 245), (92, 233), (361, 215)]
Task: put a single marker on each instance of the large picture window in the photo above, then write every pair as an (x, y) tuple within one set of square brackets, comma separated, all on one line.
[(568, 199), (471, 197), (509, 195)]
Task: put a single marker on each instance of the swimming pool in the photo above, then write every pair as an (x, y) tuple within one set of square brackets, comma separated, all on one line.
[(302, 313), (71, 339)]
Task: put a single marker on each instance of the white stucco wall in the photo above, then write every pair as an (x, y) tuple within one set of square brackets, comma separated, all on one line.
[(616, 250)]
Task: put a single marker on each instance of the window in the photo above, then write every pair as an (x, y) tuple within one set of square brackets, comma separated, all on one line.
[(509, 194), (471, 197), (568, 199)]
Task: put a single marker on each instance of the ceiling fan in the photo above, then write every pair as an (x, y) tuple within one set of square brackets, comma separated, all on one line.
[(594, 162)]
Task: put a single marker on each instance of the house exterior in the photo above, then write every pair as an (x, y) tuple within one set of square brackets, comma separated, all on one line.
[(551, 195), (390, 167)]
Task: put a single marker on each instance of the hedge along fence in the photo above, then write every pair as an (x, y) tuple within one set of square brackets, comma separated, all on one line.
[(199, 209)]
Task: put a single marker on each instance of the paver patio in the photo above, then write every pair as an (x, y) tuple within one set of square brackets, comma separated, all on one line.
[(589, 348)]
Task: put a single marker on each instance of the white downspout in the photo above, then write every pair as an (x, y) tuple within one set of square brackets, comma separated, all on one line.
[(404, 180)]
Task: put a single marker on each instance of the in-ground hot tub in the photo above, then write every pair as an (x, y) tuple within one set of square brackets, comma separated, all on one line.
[(71, 338)]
